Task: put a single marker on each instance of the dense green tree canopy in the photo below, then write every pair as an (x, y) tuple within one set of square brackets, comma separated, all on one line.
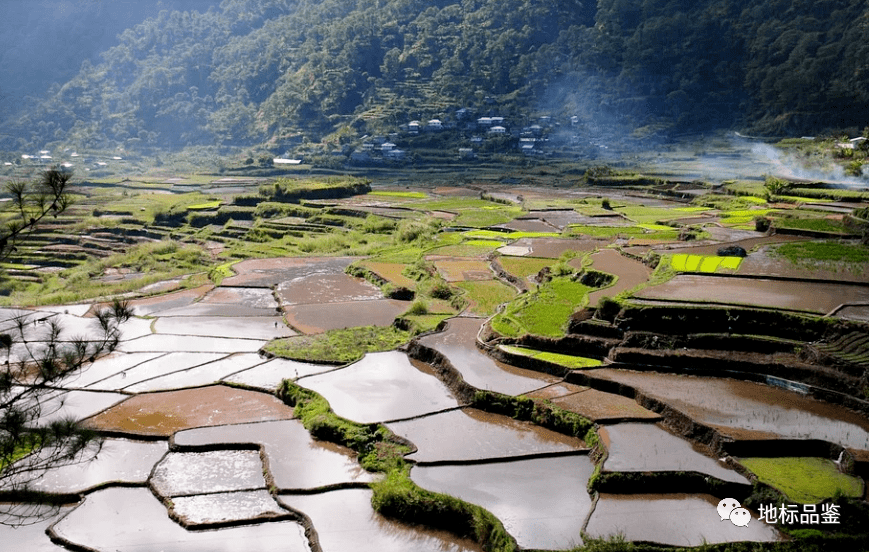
[(249, 71)]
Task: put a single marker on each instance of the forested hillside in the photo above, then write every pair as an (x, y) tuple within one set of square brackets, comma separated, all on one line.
[(253, 71)]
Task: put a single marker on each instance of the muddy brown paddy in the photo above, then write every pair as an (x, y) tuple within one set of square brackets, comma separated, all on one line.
[(819, 297), (168, 412)]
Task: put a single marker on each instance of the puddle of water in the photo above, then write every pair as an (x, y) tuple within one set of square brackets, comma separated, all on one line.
[(118, 460), (105, 367), (151, 305), (256, 298), (676, 519), (32, 537), (593, 404), (167, 412), (271, 272), (175, 343), (458, 344), (345, 521), (76, 404), (649, 447), (476, 435), (326, 288), (133, 519), (250, 327), (735, 405), (224, 507), (200, 375), (269, 376), (194, 473), (820, 297), (542, 503), (312, 319), (381, 386), (296, 460), (165, 364)]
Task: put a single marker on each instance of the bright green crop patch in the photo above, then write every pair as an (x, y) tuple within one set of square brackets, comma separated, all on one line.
[(704, 263), (569, 361), (543, 312), (485, 296), (205, 206), (800, 252), (804, 479), (524, 267)]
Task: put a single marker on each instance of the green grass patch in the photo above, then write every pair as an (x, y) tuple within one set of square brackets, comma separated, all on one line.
[(471, 248), (703, 263), (544, 311), (339, 346), (824, 251), (485, 296), (524, 267), (811, 224), (805, 480), (568, 361)]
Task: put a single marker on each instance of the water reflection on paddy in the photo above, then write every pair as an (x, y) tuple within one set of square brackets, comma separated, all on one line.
[(128, 519), (649, 447), (296, 460), (165, 364), (676, 519), (744, 405), (458, 344), (269, 375), (345, 521), (204, 374), (475, 435), (116, 460), (381, 386), (542, 502)]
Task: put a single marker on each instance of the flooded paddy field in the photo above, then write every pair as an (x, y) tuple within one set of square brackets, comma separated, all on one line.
[(381, 386), (595, 405), (650, 447), (201, 455), (818, 297), (167, 412), (345, 521), (747, 409), (477, 435), (296, 460), (458, 344), (542, 502), (674, 519)]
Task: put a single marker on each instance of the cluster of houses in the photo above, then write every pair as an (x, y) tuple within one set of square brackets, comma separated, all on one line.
[(470, 132)]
